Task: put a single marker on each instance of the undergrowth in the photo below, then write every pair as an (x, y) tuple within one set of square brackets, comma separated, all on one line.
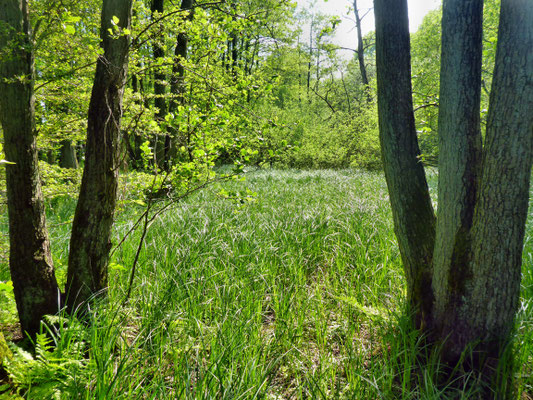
[(297, 294)]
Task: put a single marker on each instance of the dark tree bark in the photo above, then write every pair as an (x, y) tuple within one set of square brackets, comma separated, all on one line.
[(134, 140), (67, 158), (234, 53), (159, 90), (360, 48), (91, 231), (482, 210), (460, 148), (30, 261), (491, 299), (414, 220), (178, 87)]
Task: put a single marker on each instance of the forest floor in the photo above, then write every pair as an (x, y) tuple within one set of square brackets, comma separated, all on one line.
[(297, 293)]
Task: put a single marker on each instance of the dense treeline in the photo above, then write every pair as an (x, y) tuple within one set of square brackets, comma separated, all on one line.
[(221, 69)]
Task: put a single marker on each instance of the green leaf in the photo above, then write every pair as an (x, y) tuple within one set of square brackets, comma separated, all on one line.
[(6, 286), (116, 20), (6, 162), (70, 29), (117, 267), (72, 20)]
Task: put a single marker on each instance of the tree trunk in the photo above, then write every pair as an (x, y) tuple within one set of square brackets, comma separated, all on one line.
[(361, 52), (159, 90), (30, 261), (68, 158), (234, 53), (91, 231), (178, 71), (414, 220), (482, 211), (492, 294), (310, 60), (134, 140), (177, 87), (459, 158)]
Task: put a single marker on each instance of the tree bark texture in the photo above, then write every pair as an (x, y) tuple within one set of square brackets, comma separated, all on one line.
[(35, 287), (91, 231), (482, 204), (460, 146), (491, 299), (414, 220)]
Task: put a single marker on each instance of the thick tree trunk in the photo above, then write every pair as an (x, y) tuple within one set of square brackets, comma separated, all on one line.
[(91, 231), (414, 220), (30, 262), (459, 158), (492, 294), (67, 157)]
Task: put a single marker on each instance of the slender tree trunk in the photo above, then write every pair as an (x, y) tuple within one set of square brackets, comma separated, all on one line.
[(91, 231), (159, 89), (178, 71), (246, 54), (134, 141), (361, 51), (492, 294), (30, 262), (459, 158), (414, 220), (310, 60), (178, 87), (234, 53)]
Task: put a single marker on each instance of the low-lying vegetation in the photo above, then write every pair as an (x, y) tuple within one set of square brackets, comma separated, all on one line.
[(296, 292)]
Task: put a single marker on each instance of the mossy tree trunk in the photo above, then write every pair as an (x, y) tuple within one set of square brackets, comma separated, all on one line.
[(490, 299), (483, 193), (91, 231), (460, 148), (414, 220), (30, 261)]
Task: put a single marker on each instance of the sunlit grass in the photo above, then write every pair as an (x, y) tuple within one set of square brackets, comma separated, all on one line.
[(296, 295)]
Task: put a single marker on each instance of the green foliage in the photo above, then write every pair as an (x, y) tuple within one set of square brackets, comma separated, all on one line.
[(296, 293), (8, 309), (59, 182), (425, 52), (53, 370)]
